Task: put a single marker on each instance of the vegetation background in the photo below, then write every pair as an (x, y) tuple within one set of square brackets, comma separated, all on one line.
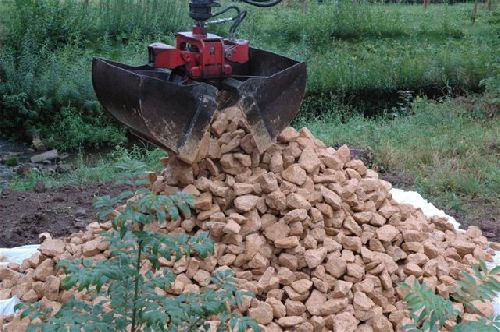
[(415, 90)]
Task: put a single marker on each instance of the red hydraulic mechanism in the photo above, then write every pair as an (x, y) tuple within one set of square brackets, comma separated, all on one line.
[(202, 54)]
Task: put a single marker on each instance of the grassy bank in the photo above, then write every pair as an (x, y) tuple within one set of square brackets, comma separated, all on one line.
[(359, 50), (87, 169), (351, 48)]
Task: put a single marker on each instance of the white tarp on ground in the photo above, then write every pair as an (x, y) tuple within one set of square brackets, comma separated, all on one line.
[(7, 306), (14, 255), (415, 199), (18, 254)]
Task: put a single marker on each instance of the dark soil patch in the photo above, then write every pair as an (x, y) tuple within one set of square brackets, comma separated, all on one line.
[(376, 102), (482, 213), (59, 211), (400, 181)]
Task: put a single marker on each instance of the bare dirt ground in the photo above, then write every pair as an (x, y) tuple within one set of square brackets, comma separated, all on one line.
[(60, 212)]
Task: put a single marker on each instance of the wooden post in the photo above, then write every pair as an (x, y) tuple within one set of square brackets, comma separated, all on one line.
[(474, 11)]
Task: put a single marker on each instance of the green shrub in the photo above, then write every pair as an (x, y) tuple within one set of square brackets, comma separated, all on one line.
[(58, 23), (430, 311), (129, 299), (11, 160), (50, 93)]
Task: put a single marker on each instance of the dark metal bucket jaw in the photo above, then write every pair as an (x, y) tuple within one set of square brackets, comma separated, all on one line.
[(175, 115)]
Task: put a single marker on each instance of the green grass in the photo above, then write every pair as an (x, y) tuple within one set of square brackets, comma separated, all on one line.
[(451, 148), (352, 48), (100, 168)]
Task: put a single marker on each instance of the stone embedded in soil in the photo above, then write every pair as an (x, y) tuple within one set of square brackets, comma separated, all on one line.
[(48, 155), (90, 248), (315, 235)]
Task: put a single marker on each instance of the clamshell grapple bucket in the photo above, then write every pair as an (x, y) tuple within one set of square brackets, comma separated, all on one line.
[(163, 108)]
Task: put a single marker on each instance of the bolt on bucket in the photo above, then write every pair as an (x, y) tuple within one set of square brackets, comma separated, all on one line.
[(159, 106)]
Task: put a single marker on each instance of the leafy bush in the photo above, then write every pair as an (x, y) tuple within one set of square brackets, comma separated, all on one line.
[(45, 79), (131, 300), (50, 93), (430, 312), (11, 160)]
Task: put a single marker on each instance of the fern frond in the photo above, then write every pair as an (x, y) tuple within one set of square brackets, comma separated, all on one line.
[(480, 286), (428, 310)]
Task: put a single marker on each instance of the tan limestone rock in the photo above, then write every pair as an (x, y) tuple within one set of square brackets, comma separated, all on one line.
[(52, 247)]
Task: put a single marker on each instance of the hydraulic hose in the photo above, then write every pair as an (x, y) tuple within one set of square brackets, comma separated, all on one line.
[(240, 16), (262, 3)]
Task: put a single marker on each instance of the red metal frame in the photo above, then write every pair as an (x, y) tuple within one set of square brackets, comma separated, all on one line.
[(203, 55)]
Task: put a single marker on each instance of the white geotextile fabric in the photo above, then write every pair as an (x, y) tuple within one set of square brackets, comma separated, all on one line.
[(415, 199), (14, 255), (7, 306), (17, 254)]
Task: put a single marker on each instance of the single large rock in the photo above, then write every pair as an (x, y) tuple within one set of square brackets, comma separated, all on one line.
[(90, 248), (336, 266), (315, 302), (47, 155), (44, 270), (345, 322), (295, 174), (302, 286), (387, 233), (315, 257), (309, 160), (51, 288), (52, 247), (263, 313), (292, 321), (246, 203), (331, 198), (8, 274)]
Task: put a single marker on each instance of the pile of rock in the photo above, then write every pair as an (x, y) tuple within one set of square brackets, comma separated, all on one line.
[(315, 235)]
